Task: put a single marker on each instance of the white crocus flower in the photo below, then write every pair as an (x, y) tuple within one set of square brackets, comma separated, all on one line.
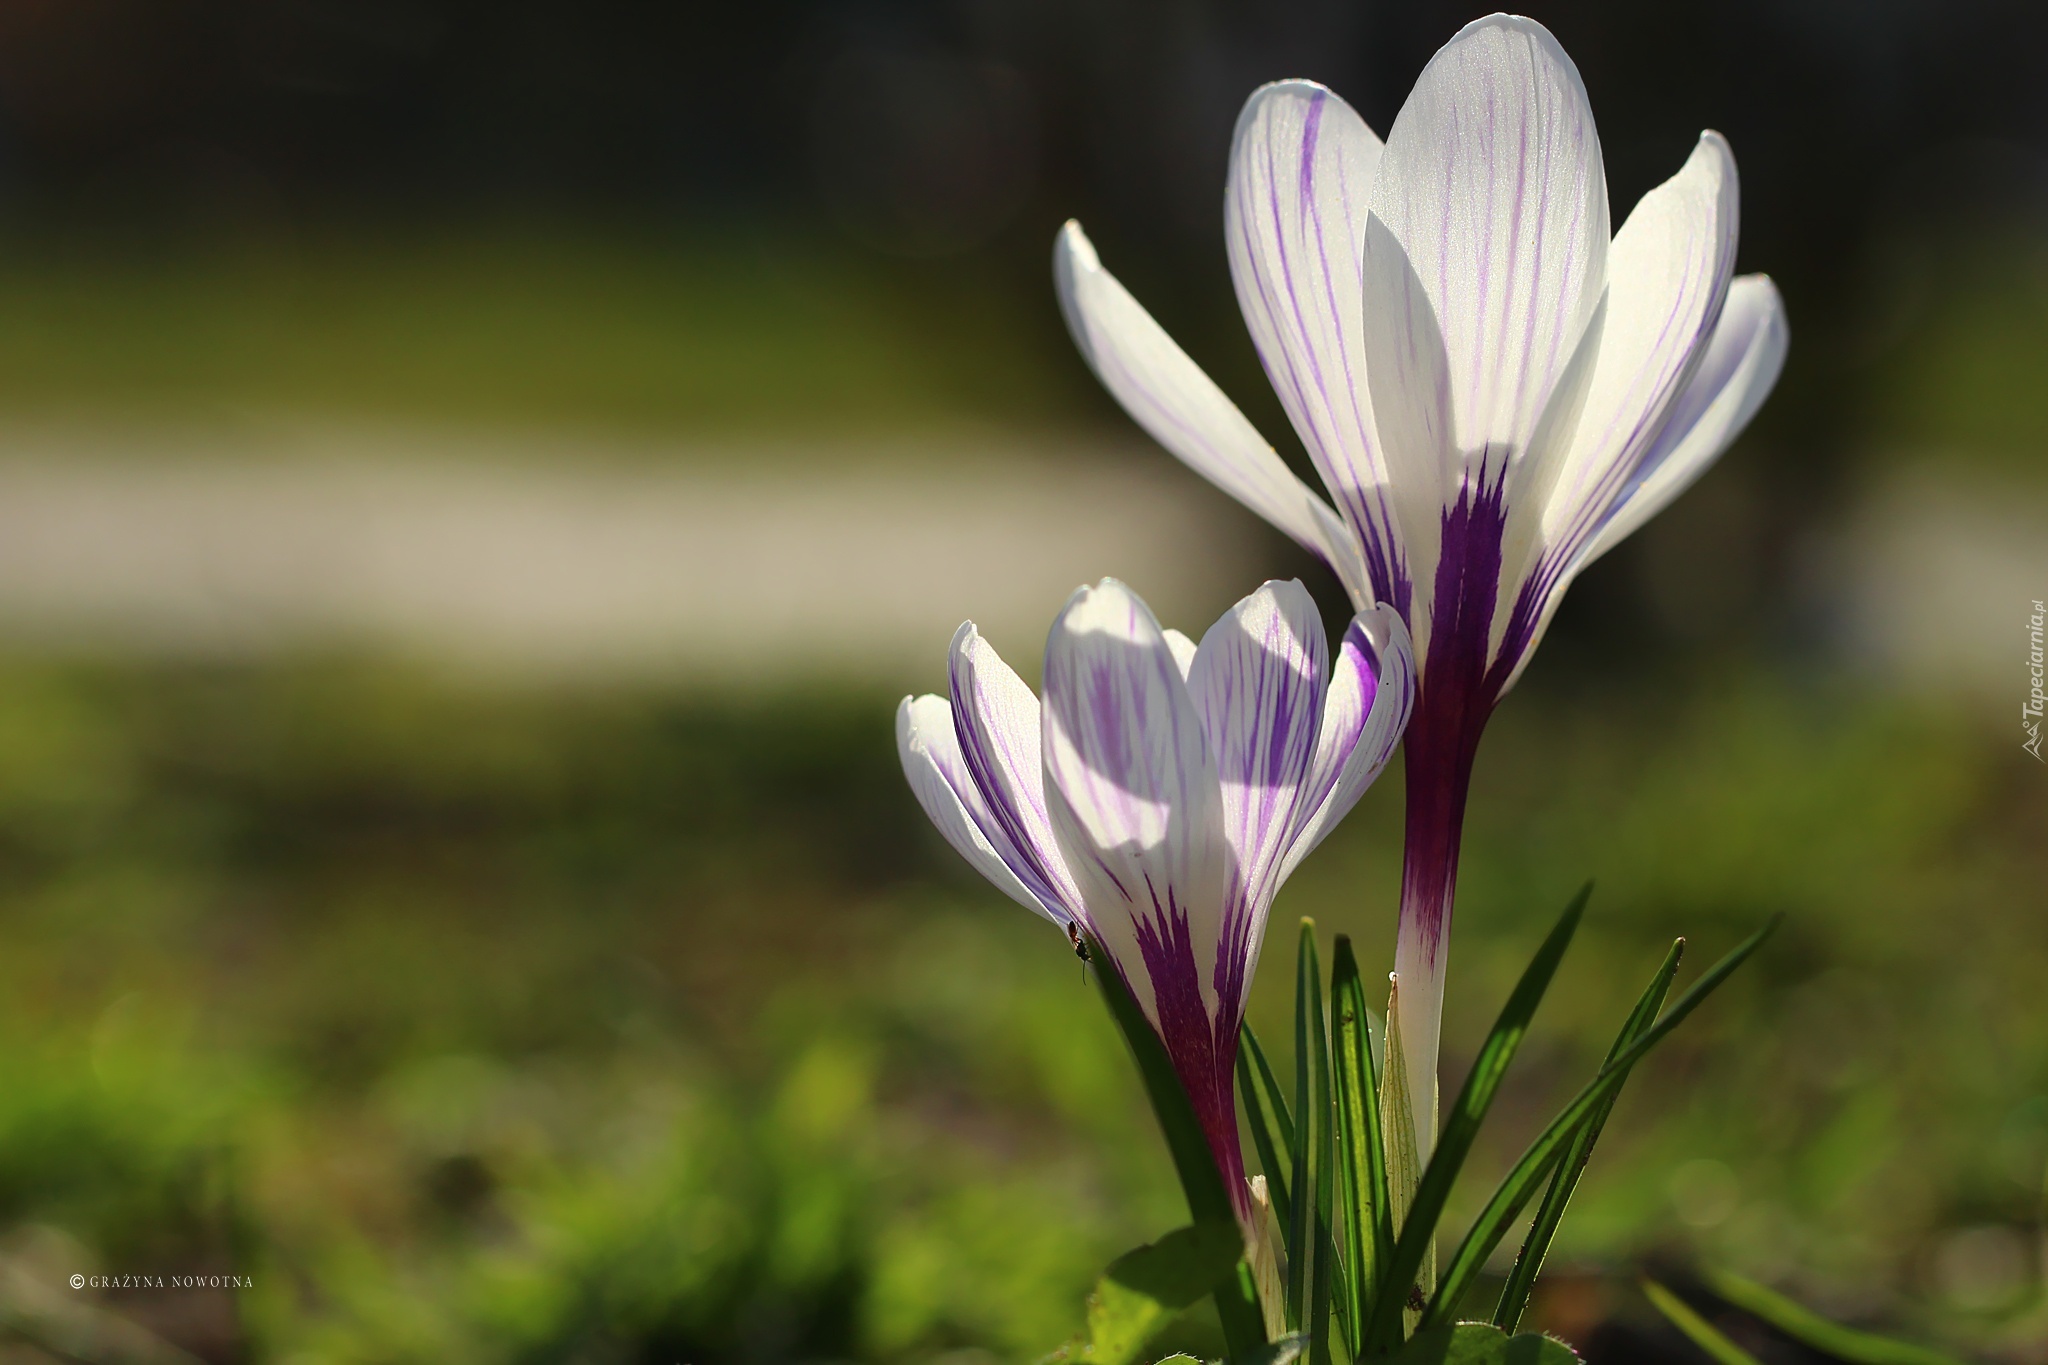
[(1161, 793), (1493, 391)]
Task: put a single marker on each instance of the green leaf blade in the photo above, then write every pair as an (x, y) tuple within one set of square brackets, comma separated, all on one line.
[(1697, 1329), (1461, 1124), (1269, 1086), (1519, 1186), (1324, 1273), (1264, 1139), (1804, 1325), (1367, 1223), (1521, 1282)]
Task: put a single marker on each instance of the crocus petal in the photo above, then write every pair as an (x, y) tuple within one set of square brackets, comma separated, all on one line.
[(1258, 683), (1667, 277), (1492, 188), (1301, 173), (1135, 803), (1370, 700), (1735, 374), (1183, 649), (996, 719), (1169, 396), (939, 779)]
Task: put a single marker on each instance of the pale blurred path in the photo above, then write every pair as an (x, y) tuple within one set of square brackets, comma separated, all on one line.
[(729, 564)]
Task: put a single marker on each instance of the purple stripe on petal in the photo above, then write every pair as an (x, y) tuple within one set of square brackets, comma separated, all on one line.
[(1202, 1045), (1457, 694), (1130, 783), (1301, 173), (1170, 397), (996, 723), (1492, 184), (1258, 682), (1371, 696), (930, 753)]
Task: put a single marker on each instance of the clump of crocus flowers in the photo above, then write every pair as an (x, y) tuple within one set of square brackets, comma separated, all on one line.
[(1495, 387)]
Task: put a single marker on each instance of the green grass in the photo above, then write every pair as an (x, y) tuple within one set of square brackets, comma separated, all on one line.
[(482, 1025)]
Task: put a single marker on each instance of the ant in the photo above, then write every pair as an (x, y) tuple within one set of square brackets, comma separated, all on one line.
[(1074, 937)]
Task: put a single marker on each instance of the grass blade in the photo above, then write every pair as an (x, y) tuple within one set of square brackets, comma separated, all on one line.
[(1262, 1135), (1208, 1202), (1461, 1125), (1269, 1086), (1404, 1161), (1317, 1122), (1303, 1203), (1697, 1329), (1367, 1222), (1549, 1147), (1514, 1295), (1802, 1324)]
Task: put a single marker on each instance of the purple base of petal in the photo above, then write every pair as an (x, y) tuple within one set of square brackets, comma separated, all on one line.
[(1457, 693), (1204, 1053)]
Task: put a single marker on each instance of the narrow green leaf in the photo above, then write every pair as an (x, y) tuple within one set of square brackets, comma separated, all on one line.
[(1461, 1124), (1514, 1295), (1831, 1338), (1475, 1343), (1404, 1173), (1258, 1120), (1269, 1086), (1550, 1145), (1697, 1329), (1208, 1202), (1367, 1227), (1145, 1289), (1299, 1226), (1324, 1270)]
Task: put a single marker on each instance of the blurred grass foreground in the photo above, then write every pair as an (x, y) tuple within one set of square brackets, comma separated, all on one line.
[(628, 1011)]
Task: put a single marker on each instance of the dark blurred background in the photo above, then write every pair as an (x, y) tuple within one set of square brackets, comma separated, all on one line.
[(474, 480)]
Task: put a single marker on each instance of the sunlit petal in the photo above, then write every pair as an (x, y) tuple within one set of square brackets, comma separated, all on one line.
[(1370, 699), (1169, 396), (1735, 374), (1133, 795), (1301, 173), (1258, 684), (938, 777), (1668, 275), (996, 719), (1491, 186)]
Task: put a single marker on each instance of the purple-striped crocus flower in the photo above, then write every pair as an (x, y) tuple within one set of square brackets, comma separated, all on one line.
[(1493, 391), (1162, 792)]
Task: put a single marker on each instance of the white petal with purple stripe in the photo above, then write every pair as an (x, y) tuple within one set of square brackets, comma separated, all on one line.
[(1491, 185), (996, 717), (1258, 683), (1301, 173), (1371, 696), (1133, 794), (930, 753), (1169, 396)]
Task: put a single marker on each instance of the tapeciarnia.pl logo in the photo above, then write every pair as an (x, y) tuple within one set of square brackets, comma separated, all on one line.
[(2030, 711)]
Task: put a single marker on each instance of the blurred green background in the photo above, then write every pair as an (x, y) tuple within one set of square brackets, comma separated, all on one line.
[(476, 1011)]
